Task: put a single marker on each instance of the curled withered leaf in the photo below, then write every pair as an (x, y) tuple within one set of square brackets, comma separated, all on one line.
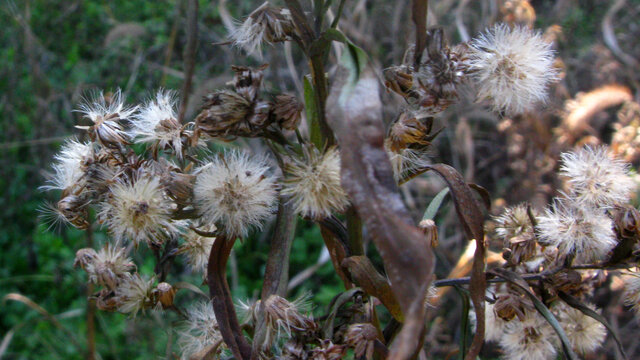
[(472, 220), (354, 113)]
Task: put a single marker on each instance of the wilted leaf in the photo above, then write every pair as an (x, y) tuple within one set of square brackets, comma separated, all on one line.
[(354, 113)]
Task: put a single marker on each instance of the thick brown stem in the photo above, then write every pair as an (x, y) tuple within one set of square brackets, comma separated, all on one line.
[(221, 298), (276, 274)]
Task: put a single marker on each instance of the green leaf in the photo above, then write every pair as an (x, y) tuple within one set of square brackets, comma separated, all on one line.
[(435, 204), (313, 115)]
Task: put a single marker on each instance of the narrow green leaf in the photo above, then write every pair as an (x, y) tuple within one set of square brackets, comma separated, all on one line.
[(315, 134), (435, 204)]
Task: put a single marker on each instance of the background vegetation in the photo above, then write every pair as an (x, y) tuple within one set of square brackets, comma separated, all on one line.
[(53, 52)]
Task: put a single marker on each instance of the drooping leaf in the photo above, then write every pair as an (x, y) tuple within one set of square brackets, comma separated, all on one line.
[(472, 220), (354, 114)]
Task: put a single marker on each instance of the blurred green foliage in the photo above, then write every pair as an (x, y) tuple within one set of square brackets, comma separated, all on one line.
[(51, 54)]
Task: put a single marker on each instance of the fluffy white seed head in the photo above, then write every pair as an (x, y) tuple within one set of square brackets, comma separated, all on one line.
[(135, 293), (585, 333), (405, 161), (314, 184), (156, 122), (264, 24), (109, 265), (512, 67), (196, 250), (530, 339), (68, 165), (139, 211), (235, 192), (632, 291), (494, 325), (514, 221), (586, 232), (596, 178), (201, 330), (106, 115)]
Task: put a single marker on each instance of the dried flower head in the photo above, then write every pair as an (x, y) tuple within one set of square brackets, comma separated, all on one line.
[(287, 110), (196, 250), (596, 178), (406, 161), (109, 266), (138, 211), (264, 24), (314, 184), (632, 291), (514, 221), (135, 293), (106, 113), (282, 315), (201, 330), (84, 257), (157, 123), (234, 192), (585, 333), (439, 74), (68, 165), (361, 337), (529, 339), (512, 67), (328, 351), (585, 232)]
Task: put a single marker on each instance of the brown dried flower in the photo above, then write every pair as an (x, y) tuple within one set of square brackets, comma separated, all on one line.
[(362, 337), (287, 110)]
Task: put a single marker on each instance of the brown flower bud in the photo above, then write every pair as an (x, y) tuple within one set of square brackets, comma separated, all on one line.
[(287, 110), (408, 131), (179, 186), (163, 294)]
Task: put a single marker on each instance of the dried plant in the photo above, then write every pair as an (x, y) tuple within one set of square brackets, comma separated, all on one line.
[(178, 202)]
